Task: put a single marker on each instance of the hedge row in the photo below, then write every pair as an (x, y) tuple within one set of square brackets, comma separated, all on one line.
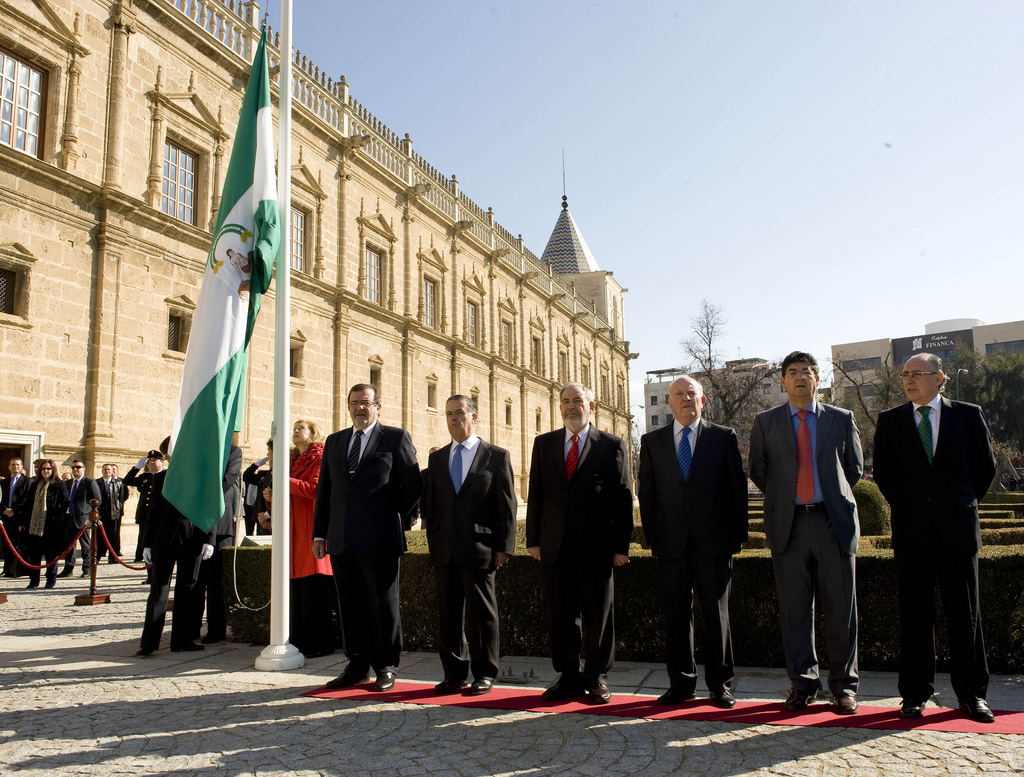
[(639, 625)]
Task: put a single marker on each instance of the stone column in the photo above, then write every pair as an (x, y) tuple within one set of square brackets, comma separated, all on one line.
[(69, 142), (123, 23)]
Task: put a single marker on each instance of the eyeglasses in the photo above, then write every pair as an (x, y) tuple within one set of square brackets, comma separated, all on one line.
[(917, 374), (362, 403), (78, 466)]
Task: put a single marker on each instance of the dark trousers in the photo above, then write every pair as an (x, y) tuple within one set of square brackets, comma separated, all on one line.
[(468, 616), (186, 554), (208, 595), (11, 566), (711, 579), (112, 526), (370, 620), (84, 543), (581, 615), (140, 519), (37, 547), (917, 572), (311, 600), (813, 551)]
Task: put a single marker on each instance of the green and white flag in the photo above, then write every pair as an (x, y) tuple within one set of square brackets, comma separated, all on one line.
[(238, 270)]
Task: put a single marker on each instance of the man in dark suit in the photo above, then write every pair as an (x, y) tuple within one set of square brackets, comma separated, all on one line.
[(369, 481), (171, 540), (113, 493), (806, 457), (693, 505), (11, 489), (933, 463), (209, 589), (579, 520), (469, 508), (83, 491)]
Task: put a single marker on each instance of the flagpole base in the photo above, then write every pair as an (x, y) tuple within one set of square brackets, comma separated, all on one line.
[(278, 658)]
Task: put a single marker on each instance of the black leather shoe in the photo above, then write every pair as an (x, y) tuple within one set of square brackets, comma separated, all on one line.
[(846, 704), (799, 700), (188, 647), (385, 682), (911, 709), (564, 688), (598, 693), (447, 687), (723, 699), (51, 583), (347, 679), (66, 572), (978, 709), (32, 585), (211, 639), (85, 573), (144, 652), (675, 696), (481, 686)]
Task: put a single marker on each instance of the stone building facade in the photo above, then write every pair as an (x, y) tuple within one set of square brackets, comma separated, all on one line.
[(115, 135)]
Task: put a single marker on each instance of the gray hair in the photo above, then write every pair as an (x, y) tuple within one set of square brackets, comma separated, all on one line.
[(470, 401), (587, 393)]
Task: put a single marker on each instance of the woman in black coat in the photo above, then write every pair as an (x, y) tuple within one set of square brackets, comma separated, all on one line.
[(42, 509)]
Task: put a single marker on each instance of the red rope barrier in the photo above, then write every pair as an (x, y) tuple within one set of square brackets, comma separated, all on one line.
[(116, 557), (49, 564)]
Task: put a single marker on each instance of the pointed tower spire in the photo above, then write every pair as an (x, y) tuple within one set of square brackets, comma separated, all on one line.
[(567, 252)]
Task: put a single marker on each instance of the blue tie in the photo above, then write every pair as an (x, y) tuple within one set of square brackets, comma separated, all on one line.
[(684, 455), (456, 467)]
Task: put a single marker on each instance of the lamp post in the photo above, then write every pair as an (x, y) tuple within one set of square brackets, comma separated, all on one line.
[(962, 369)]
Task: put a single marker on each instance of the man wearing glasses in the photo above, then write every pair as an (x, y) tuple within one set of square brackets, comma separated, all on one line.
[(933, 463), (369, 481), (83, 490)]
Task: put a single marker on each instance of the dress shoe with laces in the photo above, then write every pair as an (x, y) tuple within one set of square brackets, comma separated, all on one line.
[(447, 687), (799, 700), (978, 709), (481, 685), (347, 679), (385, 682), (564, 688), (846, 704), (912, 709), (598, 693), (675, 696), (723, 699)]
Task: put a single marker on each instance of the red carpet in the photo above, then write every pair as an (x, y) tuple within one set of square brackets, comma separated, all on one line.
[(631, 706)]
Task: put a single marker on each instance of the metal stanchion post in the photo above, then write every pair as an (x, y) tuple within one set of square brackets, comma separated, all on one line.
[(92, 597)]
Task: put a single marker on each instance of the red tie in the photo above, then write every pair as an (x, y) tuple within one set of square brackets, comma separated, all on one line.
[(804, 454), (573, 458)]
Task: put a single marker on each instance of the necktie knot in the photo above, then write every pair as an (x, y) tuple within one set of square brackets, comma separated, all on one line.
[(924, 411), (803, 415)]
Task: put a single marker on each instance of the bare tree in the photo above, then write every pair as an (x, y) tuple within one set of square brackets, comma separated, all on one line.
[(735, 389)]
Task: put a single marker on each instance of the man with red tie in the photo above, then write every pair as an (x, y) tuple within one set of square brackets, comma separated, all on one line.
[(579, 520), (806, 457)]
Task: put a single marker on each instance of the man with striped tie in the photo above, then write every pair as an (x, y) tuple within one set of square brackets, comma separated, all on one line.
[(579, 521), (469, 508), (693, 505)]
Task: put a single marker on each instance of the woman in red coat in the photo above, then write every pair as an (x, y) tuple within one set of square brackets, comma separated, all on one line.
[(312, 588)]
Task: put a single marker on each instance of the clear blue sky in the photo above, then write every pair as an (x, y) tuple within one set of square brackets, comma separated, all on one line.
[(827, 172)]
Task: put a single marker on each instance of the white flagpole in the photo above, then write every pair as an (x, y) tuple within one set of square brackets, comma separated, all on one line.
[(280, 654)]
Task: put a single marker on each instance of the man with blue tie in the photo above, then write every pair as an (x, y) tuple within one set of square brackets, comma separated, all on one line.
[(806, 457), (11, 488), (83, 491), (693, 505), (469, 508), (934, 463), (113, 493)]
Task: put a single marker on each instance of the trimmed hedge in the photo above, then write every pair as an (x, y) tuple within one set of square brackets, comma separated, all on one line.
[(872, 509), (639, 627)]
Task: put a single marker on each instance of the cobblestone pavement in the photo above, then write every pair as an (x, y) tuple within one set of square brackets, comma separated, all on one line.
[(75, 700)]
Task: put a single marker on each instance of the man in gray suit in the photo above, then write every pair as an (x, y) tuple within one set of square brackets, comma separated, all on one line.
[(469, 508), (806, 457)]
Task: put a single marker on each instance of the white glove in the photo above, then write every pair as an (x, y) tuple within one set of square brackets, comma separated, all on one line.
[(147, 555), (207, 552), (142, 463), (262, 461)]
